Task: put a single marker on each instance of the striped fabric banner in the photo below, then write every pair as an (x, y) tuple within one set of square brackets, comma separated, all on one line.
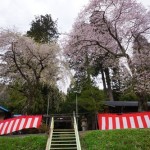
[(123, 121), (18, 123)]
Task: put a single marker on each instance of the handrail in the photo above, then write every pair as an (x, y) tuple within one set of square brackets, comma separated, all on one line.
[(76, 133), (48, 145)]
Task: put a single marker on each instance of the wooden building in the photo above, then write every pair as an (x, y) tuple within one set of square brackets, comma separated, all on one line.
[(4, 113), (122, 106)]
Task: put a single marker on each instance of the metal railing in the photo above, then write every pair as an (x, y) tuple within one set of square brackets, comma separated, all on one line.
[(76, 133), (48, 145)]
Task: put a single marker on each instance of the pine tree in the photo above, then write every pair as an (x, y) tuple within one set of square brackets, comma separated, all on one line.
[(43, 29)]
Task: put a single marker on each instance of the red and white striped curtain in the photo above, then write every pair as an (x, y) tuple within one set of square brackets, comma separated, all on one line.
[(124, 121), (18, 123)]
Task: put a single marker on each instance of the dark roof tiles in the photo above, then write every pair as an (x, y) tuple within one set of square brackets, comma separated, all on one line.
[(3, 109), (122, 103)]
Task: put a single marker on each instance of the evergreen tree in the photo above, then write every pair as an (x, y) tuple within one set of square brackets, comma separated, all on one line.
[(43, 29)]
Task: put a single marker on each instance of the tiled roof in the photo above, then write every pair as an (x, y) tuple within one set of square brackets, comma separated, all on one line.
[(122, 103), (4, 109)]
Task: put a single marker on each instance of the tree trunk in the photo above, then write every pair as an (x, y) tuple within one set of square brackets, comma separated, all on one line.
[(142, 103), (94, 121), (109, 90)]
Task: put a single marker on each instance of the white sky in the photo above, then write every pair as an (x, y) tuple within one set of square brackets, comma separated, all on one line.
[(20, 13)]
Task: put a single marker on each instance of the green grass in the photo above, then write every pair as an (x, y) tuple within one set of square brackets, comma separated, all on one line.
[(32, 142), (129, 139)]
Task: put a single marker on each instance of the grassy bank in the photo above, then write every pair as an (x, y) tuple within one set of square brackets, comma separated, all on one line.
[(32, 142), (133, 139)]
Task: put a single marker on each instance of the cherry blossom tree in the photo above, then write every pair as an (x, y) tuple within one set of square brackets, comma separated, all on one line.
[(139, 79), (27, 59), (106, 29), (29, 63), (141, 75)]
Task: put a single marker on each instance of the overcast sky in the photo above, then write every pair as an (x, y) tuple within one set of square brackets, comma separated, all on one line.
[(20, 13)]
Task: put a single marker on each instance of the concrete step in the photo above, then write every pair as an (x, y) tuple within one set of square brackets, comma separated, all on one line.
[(63, 135), (62, 138), (61, 144), (65, 148), (64, 141), (62, 132)]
